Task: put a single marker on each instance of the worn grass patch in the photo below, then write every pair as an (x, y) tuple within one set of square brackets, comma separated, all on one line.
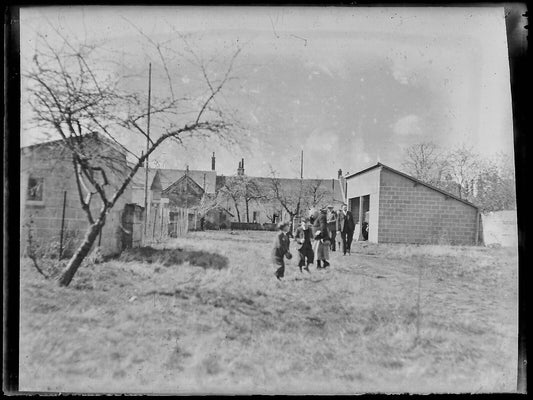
[(178, 256), (137, 325)]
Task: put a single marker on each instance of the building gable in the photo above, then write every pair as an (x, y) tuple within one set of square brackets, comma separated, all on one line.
[(184, 185)]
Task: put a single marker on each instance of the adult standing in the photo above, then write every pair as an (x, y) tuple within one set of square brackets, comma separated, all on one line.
[(331, 216), (321, 236), (346, 228)]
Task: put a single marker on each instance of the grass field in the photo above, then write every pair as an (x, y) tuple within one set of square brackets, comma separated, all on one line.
[(127, 326)]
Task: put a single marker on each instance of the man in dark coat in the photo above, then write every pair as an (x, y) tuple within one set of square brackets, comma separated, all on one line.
[(321, 236), (303, 237), (345, 227)]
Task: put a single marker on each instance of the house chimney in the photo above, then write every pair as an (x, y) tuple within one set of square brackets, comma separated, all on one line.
[(340, 174), (240, 170), (213, 162)]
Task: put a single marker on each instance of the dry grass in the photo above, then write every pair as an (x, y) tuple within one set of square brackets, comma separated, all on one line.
[(143, 327)]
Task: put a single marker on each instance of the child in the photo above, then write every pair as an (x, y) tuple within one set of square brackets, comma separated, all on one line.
[(322, 239), (303, 238), (281, 249)]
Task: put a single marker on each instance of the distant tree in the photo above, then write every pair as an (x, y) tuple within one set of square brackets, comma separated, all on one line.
[(494, 188), (463, 168), (242, 190), (74, 91), (488, 183), (289, 197), (315, 193), (425, 161), (232, 189), (252, 193)]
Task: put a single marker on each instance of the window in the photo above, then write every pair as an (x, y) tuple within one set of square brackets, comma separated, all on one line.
[(35, 189), (255, 217)]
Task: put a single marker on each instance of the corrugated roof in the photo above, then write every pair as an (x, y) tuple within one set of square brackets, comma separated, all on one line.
[(418, 181)]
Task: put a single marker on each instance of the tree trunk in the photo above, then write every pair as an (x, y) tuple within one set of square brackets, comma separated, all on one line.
[(80, 254), (247, 212)]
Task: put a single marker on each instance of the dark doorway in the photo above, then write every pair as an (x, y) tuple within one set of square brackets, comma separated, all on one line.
[(365, 217), (360, 208)]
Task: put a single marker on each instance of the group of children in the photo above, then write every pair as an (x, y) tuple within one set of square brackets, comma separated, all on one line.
[(313, 242)]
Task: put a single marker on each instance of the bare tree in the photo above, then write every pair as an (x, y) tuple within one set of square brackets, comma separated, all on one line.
[(494, 188), (463, 169), (73, 94), (232, 190), (488, 183), (252, 192), (290, 197), (315, 193), (241, 189), (426, 161)]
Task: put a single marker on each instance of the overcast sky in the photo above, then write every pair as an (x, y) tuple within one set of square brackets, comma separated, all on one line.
[(348, 86)]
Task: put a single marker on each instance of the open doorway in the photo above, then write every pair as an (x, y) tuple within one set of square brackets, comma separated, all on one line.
[(365, 217), (360, 208)]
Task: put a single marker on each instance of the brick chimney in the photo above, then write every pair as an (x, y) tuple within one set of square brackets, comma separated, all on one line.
[(213, 162), (240, 170), (339, 174)]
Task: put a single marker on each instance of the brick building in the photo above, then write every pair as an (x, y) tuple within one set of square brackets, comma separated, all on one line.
[(48, 186), (401, 209)]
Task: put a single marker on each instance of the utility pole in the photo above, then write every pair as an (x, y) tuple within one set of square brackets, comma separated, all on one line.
[(147, 147), (302, 165)]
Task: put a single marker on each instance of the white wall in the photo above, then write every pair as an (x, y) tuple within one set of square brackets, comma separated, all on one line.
[(500, 228), (367, 184)]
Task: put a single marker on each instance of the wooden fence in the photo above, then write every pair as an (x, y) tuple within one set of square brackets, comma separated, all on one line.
[(162, 223), (178, 224)]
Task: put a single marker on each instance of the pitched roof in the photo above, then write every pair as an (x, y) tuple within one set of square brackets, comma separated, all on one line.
[(168, 176), (85, 137), (418, 181)]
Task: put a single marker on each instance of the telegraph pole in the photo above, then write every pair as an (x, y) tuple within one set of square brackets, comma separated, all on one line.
[(302, 165), (147, 147)]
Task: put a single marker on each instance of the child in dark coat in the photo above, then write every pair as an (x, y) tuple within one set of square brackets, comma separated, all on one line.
[(321, 236), (305, 251), (281, 249)]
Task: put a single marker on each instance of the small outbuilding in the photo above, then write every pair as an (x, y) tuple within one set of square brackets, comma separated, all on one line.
[(390, 206)]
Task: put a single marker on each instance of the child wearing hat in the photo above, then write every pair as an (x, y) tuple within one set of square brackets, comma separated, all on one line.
[(281, 249)]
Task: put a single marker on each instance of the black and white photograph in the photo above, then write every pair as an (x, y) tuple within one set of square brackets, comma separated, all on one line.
[(268, 200)]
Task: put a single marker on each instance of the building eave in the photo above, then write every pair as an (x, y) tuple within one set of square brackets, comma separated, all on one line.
[(417, 181)]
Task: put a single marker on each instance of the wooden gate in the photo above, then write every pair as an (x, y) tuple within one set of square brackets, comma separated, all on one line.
[(178, 222)]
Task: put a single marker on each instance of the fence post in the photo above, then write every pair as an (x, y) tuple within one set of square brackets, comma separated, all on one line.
[(477, 227), (155, 221), (161, 230), (62, 226)]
